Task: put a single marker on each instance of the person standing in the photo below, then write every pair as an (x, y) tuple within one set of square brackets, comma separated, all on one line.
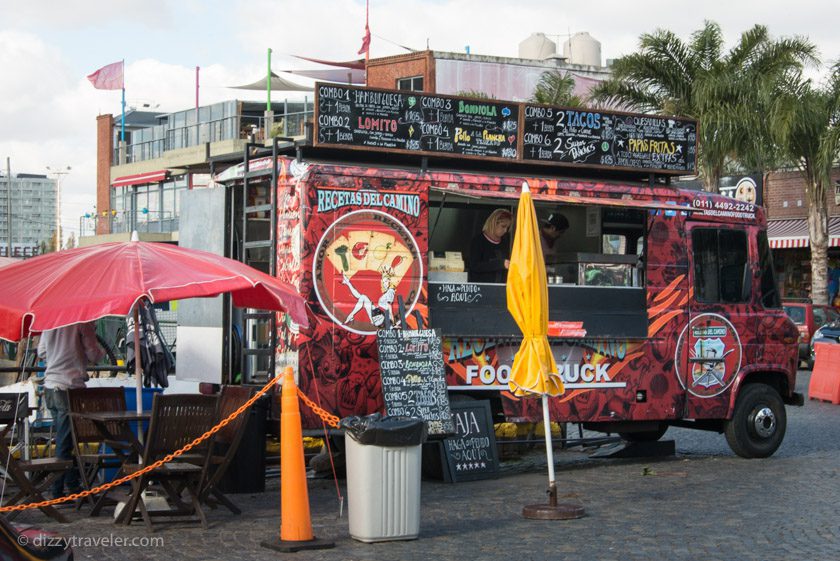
[(489, 250), (67, 351), (550, 231)]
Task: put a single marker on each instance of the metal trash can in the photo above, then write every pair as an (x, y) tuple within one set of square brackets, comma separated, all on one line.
[(383, 457)]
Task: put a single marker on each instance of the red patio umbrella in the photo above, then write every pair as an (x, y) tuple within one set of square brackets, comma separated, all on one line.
[(88, 283)]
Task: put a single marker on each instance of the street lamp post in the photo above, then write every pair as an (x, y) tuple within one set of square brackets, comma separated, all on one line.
[(58, 172)]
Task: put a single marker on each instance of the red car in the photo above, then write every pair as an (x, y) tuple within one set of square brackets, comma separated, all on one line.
[(808, 318)]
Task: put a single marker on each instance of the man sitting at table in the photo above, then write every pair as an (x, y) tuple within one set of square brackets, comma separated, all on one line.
[(67, 351)]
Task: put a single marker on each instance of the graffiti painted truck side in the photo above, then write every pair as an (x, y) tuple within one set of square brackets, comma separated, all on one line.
[(674, 292)]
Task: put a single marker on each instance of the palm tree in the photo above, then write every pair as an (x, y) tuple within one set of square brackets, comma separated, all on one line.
[(807, 121), (723, 91), (556, 88)]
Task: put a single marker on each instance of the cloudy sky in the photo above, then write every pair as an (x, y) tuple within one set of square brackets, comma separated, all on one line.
[(48, 109)]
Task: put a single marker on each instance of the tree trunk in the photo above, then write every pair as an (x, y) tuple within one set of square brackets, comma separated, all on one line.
[(818, 232), (711, 179)]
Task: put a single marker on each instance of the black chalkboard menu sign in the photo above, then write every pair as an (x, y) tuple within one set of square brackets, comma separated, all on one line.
[(413, 379), (415, 122), (588, 137), (471, 454)]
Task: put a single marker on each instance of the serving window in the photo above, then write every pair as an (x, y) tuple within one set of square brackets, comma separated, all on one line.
[(600, 246), (594, 266)]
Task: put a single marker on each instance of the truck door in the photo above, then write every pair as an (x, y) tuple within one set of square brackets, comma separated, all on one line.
[(722, 313)]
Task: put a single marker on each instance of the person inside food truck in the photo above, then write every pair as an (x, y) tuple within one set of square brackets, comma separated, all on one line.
[(489, 251), (550, 231)]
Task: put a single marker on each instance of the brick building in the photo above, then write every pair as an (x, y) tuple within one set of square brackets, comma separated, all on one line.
[(787, 211)]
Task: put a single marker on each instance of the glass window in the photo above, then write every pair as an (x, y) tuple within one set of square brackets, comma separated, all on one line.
[(770, 296), (154, 202), (796, 313), (414, 84), (820, 316), (721, 265), (141, 203), (613, 244), (168, 200)]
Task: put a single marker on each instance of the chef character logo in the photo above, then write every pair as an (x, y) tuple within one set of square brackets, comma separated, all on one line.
[(708, 355), (746, 190), (365, 261)]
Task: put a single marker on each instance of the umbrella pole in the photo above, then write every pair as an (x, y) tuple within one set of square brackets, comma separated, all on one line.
[(138, 370), (552, 510), (549, 452)]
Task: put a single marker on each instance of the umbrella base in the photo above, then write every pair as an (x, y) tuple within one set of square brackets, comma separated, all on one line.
[(562, 511)]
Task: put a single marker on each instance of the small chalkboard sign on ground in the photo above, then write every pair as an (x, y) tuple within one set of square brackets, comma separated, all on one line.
[(471, 454), (413, 378)]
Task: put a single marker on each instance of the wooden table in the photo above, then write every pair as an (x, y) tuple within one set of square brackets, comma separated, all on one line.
[(115, 428)]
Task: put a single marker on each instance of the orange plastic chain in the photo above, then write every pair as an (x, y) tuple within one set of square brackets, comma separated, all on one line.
[(150, 467), (326, 416)]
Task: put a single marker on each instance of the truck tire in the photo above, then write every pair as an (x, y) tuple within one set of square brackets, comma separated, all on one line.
[(758, 423), (644, 436)]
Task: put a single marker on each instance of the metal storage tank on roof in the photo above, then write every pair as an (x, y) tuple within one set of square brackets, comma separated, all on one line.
[(537, 47), (582, 48)]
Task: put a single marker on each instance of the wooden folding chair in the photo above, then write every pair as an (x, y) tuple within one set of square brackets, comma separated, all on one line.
[(225, 445), (176, 421), (85, 432), (31, 477)]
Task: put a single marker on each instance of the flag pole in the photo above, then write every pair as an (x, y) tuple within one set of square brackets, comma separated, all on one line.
[(268, 83), (197, 119), (367, 34), (122, 120)]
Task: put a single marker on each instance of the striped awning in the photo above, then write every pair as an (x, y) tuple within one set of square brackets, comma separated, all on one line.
[(141, 178), (787, 234)]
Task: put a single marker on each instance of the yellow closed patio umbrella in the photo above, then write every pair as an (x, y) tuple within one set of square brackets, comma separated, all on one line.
[(534, 371)]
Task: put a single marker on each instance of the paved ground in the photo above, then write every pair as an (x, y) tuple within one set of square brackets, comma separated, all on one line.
[(705, 504)]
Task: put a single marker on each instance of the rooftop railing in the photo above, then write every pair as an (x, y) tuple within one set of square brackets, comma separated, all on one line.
[(240, 126)]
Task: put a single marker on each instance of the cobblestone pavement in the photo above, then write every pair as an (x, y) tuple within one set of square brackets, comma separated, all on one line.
[(704, 504)]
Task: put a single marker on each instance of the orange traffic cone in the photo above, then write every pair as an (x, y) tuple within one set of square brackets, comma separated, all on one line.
[(295, 521)]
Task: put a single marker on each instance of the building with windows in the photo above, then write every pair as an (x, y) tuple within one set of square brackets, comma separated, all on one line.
[(34, 213), (140, 179), (787, 226)]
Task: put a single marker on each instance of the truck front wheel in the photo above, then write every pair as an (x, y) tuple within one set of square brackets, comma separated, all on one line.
[(758, 423)]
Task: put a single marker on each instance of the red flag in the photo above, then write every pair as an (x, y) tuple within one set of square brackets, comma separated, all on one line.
[(366, 39), (108, 77)]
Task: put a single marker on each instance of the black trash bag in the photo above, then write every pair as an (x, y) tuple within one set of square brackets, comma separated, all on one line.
[(379, 430), (156, 360)]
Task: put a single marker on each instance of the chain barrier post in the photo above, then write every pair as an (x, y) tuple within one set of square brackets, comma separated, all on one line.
[(295, 522)]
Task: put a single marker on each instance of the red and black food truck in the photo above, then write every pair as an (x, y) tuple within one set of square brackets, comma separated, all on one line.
[(681, 318)]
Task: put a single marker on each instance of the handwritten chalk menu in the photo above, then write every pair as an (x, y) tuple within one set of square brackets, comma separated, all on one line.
[(415, 122), (471, 453), (452, 293), (413, 381), (606, 139)]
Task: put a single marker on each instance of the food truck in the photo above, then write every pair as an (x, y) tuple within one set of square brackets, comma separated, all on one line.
[(671, 292)]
